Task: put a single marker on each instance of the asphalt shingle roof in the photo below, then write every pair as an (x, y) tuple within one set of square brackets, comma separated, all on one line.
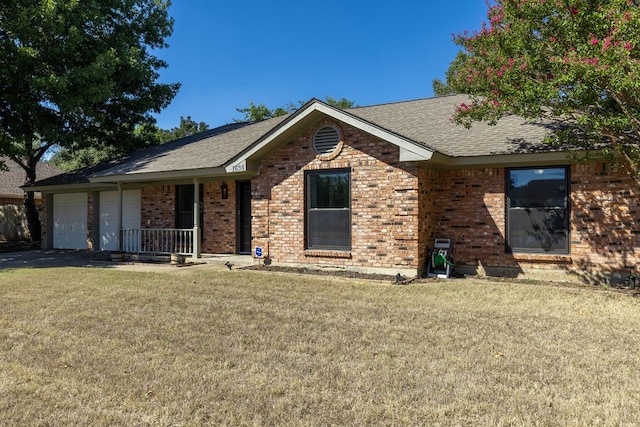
[(14, 177), (208, 149), (429, 122), (424, 121)]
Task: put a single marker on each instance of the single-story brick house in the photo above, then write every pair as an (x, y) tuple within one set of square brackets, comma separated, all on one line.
[(369, 187)]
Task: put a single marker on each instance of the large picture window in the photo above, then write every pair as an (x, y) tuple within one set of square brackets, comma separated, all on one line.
[(538, 210), (328, 206)]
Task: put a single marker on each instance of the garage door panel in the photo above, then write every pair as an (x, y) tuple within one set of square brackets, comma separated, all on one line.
[(109, 216), (70, 221)]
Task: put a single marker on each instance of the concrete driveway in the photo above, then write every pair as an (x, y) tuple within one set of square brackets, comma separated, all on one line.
[(40, 258), (53, 258)]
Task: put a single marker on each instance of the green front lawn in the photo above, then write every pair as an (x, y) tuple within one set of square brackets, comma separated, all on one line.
[(110, 347)]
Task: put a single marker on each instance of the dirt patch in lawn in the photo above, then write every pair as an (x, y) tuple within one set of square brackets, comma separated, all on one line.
[(401, 280), (348, 274)]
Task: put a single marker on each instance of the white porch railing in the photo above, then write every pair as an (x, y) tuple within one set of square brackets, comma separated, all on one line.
[(158, 240)]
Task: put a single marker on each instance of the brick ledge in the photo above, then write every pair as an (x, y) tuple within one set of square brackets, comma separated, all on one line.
[(327, 254), (565, 259)]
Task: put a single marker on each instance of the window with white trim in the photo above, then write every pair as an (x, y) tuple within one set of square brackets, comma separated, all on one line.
[(328, 209), (538, 210)]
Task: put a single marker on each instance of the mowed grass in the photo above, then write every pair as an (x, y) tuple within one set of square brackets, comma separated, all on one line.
[(106, 347)]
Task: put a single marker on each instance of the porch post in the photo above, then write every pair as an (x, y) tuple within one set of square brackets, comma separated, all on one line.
[(196, 219), (119, 216)]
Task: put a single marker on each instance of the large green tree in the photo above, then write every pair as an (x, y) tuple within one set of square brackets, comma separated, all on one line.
[(575, 62), (77, 74)]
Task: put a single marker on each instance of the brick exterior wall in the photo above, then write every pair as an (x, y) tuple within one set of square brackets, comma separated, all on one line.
[(44, 215), (219, 227), (468, 207), (158, 204), (427, 184), (385, 208), (605, 220)]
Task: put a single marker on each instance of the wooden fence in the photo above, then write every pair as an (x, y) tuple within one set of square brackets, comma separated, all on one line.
[(13, 223)]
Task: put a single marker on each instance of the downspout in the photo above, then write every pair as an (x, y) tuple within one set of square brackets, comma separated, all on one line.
[(196, 219)]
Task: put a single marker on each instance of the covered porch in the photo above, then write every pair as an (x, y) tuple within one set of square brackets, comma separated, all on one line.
[(204, 216), (153, 241)]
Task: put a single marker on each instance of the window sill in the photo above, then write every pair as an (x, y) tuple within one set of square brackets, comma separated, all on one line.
[(326, 253), (555, 258)]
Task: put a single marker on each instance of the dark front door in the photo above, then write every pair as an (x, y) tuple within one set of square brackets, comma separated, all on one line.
[(244, 216), (184, 206)]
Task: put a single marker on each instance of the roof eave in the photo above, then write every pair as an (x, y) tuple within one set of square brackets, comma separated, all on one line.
[(507, 160), (68, 188), (161, 176)]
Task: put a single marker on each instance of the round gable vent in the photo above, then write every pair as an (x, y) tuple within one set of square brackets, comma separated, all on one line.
[(326, 140)]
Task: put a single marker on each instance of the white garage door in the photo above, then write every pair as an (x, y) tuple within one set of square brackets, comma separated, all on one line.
[(109, 216), (70, 221)]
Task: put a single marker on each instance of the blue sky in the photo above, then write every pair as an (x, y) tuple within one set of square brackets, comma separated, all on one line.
[(229, 53)]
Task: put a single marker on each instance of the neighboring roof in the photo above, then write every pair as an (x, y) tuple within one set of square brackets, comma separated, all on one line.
[(420, 128), (78, 176), (429, 122), (14, 177)]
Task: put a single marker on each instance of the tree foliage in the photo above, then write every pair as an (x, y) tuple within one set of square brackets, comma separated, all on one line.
[(441, 88), (341, 104), (68, 159), (574, 62), (77, 157), (77, 74), (187, 127), (256, 113)]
